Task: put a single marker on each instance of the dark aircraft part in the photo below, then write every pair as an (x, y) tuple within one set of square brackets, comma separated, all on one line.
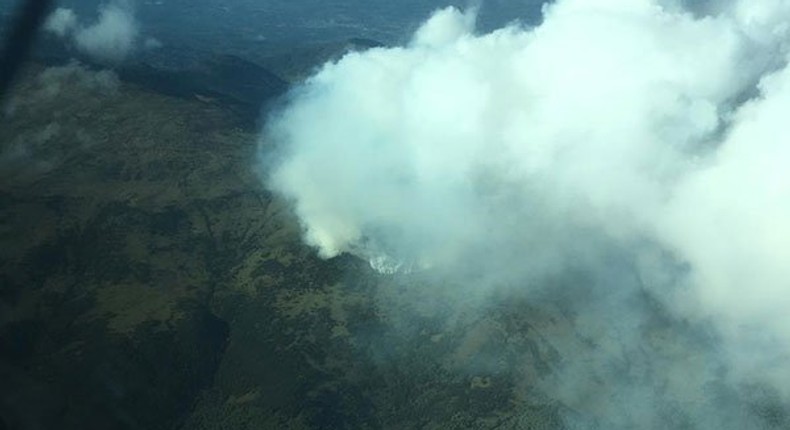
[(29, 17)]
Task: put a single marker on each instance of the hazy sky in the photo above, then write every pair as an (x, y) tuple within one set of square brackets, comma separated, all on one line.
[(206, 23)]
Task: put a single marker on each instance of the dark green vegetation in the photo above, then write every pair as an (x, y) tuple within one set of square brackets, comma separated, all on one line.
[(148, 281)]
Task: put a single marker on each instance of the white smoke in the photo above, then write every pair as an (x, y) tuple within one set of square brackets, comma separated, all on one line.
[(110, 39), (62, 22), (38, 148), (730, 219), (628, 124)]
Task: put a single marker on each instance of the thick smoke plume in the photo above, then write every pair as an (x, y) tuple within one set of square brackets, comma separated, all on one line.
[(639, 140), (110, 39)]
